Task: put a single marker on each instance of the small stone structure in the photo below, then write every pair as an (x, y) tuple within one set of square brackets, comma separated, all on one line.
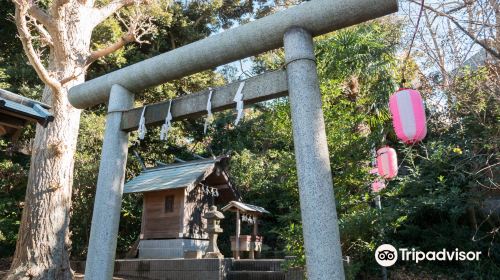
[(213, 229), (246, 243)]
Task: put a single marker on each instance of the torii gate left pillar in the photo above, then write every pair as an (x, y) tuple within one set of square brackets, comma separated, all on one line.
[(317, 203), (109, 190)]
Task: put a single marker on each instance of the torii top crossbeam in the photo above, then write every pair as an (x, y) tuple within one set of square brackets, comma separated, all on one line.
[(317, 17)]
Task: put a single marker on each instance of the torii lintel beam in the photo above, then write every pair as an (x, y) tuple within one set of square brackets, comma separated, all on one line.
[(317, 17), (257, 89)]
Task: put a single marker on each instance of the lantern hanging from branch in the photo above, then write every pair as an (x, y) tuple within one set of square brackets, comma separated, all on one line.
[(387, 163), (408, 115), (378, 185)]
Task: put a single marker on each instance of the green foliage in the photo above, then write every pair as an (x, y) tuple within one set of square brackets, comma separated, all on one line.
[(13, 175), (86, 167), (448, 179)]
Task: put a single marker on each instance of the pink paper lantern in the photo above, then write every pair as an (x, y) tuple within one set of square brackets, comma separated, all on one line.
[(378, 185), (408, 115), (387, 163)]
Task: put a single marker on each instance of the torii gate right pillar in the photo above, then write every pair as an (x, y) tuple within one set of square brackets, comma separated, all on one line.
[(317, 202)]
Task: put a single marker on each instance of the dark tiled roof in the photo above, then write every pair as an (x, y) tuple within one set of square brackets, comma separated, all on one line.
[(173, 176), (244, 207), (23, 108)]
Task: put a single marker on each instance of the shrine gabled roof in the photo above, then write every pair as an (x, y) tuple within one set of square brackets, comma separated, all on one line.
[(19, 107), (244, 207), (172, 176)]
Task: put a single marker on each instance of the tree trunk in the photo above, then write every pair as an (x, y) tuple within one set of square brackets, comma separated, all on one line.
[(42, 249), (43, 245)]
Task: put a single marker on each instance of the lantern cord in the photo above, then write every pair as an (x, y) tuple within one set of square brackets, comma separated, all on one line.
[(405, 62), (406, 155), (475, 41), (383, 137)]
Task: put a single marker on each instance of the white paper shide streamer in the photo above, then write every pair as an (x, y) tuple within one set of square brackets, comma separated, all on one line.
[(167, 125), (142, 125), (238, 98), (209, 118)]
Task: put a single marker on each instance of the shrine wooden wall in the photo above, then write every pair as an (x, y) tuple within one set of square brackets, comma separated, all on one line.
[(158, 223), (185, 221)]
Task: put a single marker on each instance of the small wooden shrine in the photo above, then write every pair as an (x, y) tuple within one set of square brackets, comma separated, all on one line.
[(175, 199), (16, 111), (247, 243)]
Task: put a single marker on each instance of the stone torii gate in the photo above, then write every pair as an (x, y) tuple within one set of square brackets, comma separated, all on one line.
[(292, 28)]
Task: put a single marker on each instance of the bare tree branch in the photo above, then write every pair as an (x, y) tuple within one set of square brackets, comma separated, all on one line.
[(496, 8), (103, 13), (457, 24), (88, 3), (138, 25), (27, 42), (455, 9), (172, 40), (41, 16), (46, 38), (440, 56), (127, 38), (56, 4)]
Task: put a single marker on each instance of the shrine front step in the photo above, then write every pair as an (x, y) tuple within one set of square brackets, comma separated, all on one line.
[(166, 269), (256, 275), (293, 274), (263, 269), (199, 269), (257, 265)]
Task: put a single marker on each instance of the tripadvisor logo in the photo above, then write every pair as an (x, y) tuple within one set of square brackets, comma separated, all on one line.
[(386, 255)]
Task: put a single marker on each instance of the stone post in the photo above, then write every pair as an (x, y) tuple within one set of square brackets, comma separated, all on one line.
[(317, 202), (109, 190), (238, 231), (213, 229)]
